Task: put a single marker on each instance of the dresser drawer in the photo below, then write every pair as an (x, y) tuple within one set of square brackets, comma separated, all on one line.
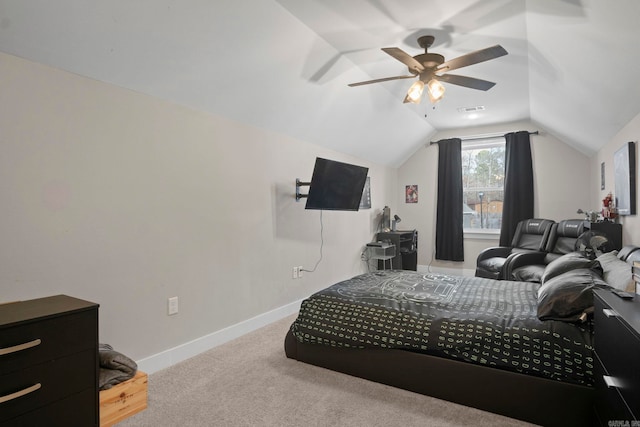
[(618, 347), (73, 411), (34, 342), (609, 403), (57, 379)]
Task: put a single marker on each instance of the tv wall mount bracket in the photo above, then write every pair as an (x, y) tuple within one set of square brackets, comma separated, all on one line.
[(298, 185)]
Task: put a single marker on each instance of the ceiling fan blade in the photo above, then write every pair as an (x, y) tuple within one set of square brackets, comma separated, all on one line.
[(472, 58), (405, 58), (386, 79), (470, 82)]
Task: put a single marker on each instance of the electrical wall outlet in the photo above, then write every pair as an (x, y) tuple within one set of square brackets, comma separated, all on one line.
[(172, 306), (295, 273), (300, 271)]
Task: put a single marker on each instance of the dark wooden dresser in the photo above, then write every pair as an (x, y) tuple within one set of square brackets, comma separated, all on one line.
[(617, 364), (49, 363)]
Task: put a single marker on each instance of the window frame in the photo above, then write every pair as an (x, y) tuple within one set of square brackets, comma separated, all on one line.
[(478, 144)]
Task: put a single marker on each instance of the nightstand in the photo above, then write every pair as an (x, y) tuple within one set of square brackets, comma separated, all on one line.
[(382, 252), (617, 361)]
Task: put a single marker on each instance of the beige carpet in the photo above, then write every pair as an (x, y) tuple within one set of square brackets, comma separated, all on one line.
[(250, 382)]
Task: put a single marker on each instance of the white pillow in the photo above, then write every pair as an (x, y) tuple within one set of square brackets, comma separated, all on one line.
[(617, 273)]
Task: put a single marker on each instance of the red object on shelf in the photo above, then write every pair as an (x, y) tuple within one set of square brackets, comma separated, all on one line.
[(608, 210)]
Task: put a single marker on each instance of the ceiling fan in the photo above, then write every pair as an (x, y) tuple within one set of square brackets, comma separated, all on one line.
[(429, 67)]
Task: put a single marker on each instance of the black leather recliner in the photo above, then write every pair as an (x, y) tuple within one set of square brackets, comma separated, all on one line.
[(531, 235), (528, 267)]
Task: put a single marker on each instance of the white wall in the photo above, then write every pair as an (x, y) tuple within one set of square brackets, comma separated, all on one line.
[(561, 185), (631, 223), (125, 200)]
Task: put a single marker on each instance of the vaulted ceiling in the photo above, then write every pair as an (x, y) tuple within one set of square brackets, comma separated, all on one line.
[(284, 65)]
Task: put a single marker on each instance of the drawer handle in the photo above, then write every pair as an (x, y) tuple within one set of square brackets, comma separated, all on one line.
[(609, 312), (19, 347), (611, 382), (20, 393)]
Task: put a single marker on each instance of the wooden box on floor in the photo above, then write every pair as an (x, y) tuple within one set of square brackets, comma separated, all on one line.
[(123, 400)]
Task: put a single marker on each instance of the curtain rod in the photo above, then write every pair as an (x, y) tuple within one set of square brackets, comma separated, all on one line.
[(485, 136)]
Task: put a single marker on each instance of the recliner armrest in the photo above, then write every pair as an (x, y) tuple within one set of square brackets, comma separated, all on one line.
[(521, 259), (495, 251)]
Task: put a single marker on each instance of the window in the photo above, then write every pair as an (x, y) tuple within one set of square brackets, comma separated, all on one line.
[(483, 183)]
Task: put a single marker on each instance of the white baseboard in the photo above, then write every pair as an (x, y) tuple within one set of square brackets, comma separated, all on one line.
[(192, 348)]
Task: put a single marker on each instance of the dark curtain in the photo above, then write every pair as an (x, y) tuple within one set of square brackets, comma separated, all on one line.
[(518, 184), (449, 234)]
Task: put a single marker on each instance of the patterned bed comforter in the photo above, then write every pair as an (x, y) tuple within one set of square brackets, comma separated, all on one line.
[(472, 319)]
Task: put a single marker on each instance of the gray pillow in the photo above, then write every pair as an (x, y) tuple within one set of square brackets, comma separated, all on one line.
[(568, 262), (529, 273), (569, 296), (616, 272)]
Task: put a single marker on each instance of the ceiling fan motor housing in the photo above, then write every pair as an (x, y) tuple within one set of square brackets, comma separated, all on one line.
[(429, 60)]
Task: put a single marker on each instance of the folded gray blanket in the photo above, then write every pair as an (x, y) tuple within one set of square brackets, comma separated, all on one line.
[(115, 367)]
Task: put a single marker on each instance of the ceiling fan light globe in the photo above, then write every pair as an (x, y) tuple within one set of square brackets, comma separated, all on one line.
[(435, 90), (415, 92)]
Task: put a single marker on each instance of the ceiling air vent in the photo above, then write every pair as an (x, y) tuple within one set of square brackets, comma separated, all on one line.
[(465, 110)]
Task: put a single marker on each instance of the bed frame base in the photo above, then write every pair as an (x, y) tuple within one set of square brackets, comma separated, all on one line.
[(532, 399)]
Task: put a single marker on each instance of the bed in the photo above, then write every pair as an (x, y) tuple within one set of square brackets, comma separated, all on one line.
[(519, 349)]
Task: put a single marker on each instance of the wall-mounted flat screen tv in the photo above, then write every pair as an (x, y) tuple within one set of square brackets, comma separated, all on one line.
[(336, 186)]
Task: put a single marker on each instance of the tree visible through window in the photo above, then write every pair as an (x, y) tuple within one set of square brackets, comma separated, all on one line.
[(483, 183)]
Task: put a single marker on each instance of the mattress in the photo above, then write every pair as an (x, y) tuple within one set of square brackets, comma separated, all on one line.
[(471, 319)]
